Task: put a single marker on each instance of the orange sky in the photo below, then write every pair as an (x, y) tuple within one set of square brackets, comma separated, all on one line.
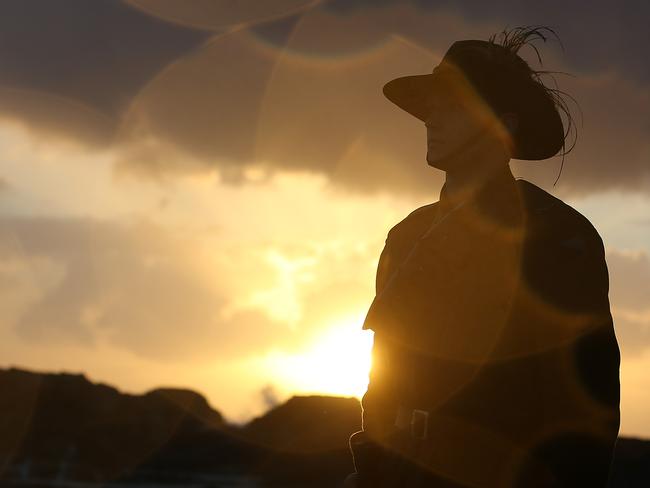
[(217, 222)]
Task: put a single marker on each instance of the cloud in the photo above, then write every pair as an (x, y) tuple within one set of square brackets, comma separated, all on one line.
[(629, 292), (311, 286), (135, 286), (4, 185), (299, 88), (164, 296)]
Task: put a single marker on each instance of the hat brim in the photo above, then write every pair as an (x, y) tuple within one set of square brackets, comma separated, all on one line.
[(539, 134)]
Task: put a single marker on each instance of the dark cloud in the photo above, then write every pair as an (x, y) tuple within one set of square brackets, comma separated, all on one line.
[(598, 35), (134, 286), (314, 106), (87, 58), (303, 92), (612, 151), (218, 14)]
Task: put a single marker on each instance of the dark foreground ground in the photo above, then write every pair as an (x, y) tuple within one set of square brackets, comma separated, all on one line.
[(60, 430)]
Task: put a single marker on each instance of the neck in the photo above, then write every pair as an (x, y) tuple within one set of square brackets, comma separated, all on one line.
[(474, 166), (463, 185)]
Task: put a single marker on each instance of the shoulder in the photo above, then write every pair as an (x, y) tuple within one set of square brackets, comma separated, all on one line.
[(557, 220), (416, 221), (564, 258)]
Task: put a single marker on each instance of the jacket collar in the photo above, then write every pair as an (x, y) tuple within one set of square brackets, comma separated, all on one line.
[(498, 190)]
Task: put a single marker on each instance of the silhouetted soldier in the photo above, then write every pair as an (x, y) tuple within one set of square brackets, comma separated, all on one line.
[(495, 362)]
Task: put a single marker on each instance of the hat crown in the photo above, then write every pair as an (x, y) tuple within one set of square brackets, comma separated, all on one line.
[(480, 59)]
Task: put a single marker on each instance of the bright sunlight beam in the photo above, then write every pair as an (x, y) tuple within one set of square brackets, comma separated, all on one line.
[(337, 363)]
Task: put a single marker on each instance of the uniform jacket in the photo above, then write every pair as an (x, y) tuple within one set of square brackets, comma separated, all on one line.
[(494, 316)]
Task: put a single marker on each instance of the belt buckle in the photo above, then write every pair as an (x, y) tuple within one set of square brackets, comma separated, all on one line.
[(419, 424)]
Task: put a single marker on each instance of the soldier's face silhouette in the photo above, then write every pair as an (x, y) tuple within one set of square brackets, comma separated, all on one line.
[(458, 120)]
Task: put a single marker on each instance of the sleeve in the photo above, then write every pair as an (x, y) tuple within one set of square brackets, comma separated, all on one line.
[(384, 269), (393, 284)]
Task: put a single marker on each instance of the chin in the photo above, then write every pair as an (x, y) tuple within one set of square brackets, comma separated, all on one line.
[(437, 162)]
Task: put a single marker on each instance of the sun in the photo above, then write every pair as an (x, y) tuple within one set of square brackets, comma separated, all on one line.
[(336, 363)]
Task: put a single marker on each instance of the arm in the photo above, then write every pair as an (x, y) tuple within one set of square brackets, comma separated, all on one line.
[(379, 402), (581, 296), (569, 276)]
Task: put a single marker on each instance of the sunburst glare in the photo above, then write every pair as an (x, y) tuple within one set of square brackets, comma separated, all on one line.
[(336, 363)]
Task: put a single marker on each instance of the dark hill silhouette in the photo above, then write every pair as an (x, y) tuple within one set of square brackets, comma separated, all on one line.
[(64, 425), (631, 466), (61, 426), (191, 402), (306, 424), (58, 427)]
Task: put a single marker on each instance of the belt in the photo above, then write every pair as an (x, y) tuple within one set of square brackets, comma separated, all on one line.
[(414, 420)]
